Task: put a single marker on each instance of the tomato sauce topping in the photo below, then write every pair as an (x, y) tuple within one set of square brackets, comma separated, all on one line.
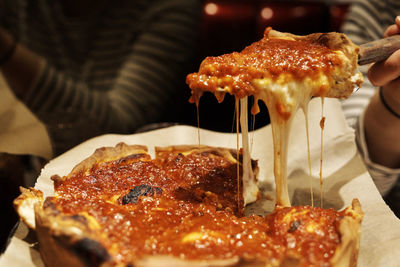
[(185, 206), (267, 58)]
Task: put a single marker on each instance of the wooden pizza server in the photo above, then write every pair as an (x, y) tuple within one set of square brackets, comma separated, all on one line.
[(378, 50)]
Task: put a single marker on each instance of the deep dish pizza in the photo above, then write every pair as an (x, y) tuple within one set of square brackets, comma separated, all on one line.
[(185, 207), (119, 207)]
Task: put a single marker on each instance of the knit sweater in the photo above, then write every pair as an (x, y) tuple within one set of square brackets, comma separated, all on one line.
[(115, 69)]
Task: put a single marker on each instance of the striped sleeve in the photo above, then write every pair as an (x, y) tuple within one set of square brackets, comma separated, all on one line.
[(383, 177), (158, 57), (367, 21), (363, 24), (145, 84)]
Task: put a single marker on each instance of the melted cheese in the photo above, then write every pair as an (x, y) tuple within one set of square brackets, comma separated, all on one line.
[(305, 111), (322, 123), (283, 101), (250, 188)]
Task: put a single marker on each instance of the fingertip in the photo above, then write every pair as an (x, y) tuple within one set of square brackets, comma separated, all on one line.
[(393, 29), (383, 72), (397, 20)]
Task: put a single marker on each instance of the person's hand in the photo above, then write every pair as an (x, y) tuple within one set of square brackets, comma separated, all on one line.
[(385, 74), (382, 116)]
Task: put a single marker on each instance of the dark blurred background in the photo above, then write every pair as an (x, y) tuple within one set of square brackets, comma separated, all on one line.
[(231, 25)]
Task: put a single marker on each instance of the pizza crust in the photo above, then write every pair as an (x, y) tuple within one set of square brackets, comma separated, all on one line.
[(67, 240), (350, 228), (108, 154), (347, 76), (229, 154), (25, 205)]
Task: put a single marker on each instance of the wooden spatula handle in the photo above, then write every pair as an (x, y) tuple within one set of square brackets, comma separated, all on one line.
[(378, 50)]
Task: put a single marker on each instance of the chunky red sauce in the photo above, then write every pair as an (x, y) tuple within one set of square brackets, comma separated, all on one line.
[(191, 213), (267, 58)]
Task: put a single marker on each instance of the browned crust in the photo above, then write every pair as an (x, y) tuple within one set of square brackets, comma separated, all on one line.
[(350, 229), (229, 154), (24, 205), (105, 154), (337, 42), (332, 40), (67, 240)]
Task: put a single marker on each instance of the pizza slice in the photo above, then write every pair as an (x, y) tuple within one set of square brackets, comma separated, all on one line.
[(285, 71), (285, 67)]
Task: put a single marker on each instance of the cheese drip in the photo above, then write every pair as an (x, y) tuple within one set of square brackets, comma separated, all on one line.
[(250, 189), (198, 123), (283, 101), (237, 154), (322, 125), (305, 111)]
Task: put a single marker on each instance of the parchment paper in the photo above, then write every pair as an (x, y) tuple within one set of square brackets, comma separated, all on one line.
[(345, 178)]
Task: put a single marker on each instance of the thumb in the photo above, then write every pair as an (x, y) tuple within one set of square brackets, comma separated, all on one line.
[(397, 20)]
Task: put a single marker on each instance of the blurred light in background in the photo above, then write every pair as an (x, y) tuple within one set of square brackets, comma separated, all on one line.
[(295, 17), (267, 13), (211, 9)]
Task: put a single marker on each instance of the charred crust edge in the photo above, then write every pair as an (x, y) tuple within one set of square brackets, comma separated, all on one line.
[(91, 252)]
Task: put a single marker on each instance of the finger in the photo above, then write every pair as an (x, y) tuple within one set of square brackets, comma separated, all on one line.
[(386, 71), (392, 30)]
